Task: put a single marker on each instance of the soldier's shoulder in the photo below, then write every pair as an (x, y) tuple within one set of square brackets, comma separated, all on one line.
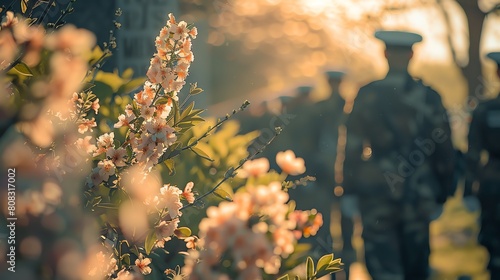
[(488, 105), (370, 89)]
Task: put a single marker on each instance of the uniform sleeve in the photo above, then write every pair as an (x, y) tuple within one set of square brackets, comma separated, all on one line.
[(473, 155), (355, 136), (444, 158)]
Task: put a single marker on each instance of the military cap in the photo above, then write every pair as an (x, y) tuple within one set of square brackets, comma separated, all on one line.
[(333, 74), (495, 56), (285, 99), (394, 38), (304, 90)]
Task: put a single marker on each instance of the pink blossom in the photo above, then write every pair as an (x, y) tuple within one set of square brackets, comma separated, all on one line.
[(255, 168), (117, 156), (9, 20), (193, 32), (147, 112), (188, 192), (104, 142), (84, 144), (95, 177), (191, 242), (86, 125), (169, 199), (125, 120), (142, 264), (289, 163), (96, 106), (164, 232), (106, 168), (163, 110)]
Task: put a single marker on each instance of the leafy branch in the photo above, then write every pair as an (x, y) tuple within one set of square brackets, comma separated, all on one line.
[(231, 172)]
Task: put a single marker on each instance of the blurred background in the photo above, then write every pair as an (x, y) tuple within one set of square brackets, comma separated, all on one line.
[(260, 50)]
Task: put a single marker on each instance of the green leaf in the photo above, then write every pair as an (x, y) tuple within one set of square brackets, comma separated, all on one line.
[(201, 153), (177, 115), (126, 258), (24, 6), (196, 91), (192, 140), (170, 164), (150, 241), (182, 232), (335, 265), (185, 113), (128, 73), (310, 268), (324, 262), (284, 277), (132, 85), (111, 79), (23, 69), (162, 100), (223, 194)]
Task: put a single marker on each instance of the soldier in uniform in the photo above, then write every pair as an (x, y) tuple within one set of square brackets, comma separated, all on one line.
[(399, 162), (330, 118), (484, 136)]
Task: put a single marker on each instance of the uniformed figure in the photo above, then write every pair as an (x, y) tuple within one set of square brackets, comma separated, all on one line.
[(331, 117), (484, 136), (399, 162), (294, 119)]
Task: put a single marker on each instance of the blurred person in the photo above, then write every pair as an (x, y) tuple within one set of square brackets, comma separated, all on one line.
[(399, 162), (330, 117), (483, 179), (293, 116)]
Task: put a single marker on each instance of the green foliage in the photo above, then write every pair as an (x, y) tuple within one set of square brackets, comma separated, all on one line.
[(326, 265)]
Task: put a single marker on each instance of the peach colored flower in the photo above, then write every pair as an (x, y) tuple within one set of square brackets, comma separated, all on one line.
[(70, 39), (117, 156), (180, 30), (124, 275), (84, 144), (193, 32), (191, 242), (255, 167), (95, 177), (164, 232), (9, 20), (188, 192), (169, 198), (104, 142), (8, 48), (103, 265), (143, 264), (313, 228), (106, 168), (289, 163), (163, 110), (125, 121), (86, 125), (96, 106)]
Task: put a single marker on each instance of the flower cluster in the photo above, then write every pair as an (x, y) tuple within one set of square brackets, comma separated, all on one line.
[(170, 65), (255, 232), (22, 46), (147, 118), (245, 237)]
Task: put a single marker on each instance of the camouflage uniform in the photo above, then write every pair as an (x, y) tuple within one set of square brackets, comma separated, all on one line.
[(399, 161), (484, 135)]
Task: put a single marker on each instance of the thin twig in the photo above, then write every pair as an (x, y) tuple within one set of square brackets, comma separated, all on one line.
[(230, 173)]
